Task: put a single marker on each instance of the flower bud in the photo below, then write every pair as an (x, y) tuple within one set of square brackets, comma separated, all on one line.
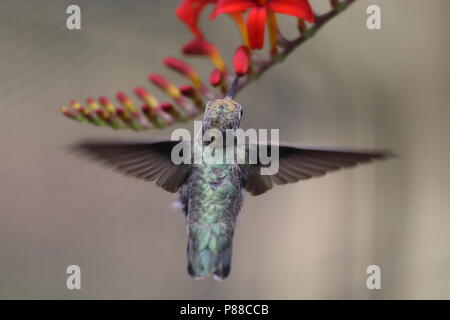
[(146, 97), (241, 61), (184, 69), (165, 85), (216, 77), (124, 100), (203, 48)]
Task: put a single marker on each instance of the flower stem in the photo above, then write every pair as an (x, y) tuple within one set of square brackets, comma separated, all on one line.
[(294, 44)]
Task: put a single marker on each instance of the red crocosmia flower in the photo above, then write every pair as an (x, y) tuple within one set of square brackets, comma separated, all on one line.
[(184, 69), (189, 11), (200, 47), (259, 11), (187, 90), (241, 60), (164, 84), (216, 77)]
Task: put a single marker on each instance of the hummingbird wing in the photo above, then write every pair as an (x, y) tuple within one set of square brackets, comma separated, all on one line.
[(299, 163), (147, 161)]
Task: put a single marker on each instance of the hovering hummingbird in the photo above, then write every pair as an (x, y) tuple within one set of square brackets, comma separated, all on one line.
[(211, 194)]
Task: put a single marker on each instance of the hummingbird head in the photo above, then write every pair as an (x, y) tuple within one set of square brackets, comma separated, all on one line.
[(222, 114)]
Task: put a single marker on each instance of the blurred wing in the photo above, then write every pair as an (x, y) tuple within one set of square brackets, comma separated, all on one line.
[(296, 163), (147, 161)]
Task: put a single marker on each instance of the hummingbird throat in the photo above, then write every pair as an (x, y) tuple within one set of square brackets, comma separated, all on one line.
[(234, 146)]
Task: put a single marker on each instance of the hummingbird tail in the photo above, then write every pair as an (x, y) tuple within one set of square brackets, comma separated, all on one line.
[(209, 251)]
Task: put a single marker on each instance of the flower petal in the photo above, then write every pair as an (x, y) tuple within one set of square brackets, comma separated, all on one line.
[(189, 11), (297, 8), (228, 6), (256, 24)]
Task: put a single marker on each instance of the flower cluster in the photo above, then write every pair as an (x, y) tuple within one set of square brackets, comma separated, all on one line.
[(188, 100), (260, 13)]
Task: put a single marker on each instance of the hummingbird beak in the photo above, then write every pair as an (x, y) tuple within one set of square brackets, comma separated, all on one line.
[(233, 88)]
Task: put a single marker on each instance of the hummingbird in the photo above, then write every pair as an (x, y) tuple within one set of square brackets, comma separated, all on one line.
[(211, 194)]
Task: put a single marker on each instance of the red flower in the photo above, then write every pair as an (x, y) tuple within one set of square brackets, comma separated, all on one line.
[(189, 11), (259, 12), (216, 77), (203, 48), (241, 60), (184, 69)]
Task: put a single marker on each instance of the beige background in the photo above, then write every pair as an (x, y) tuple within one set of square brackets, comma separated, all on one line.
[(348, 87)]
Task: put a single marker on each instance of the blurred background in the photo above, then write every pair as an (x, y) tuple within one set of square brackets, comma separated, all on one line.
[(347, 87)]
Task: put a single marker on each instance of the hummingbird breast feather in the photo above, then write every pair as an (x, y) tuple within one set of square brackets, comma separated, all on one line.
[(212, 197)]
